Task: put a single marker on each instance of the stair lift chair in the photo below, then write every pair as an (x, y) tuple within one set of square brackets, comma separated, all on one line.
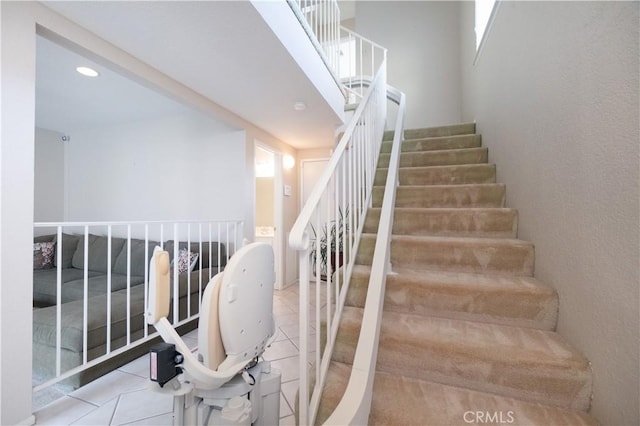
[(226, 383)]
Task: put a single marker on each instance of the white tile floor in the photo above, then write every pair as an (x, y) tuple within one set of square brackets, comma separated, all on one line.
[(123, 397)]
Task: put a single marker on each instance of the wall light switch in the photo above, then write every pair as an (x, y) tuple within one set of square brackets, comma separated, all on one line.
[(287, 190)]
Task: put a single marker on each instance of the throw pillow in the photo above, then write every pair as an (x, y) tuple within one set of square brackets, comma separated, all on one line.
[(186, 261), (43, 254)]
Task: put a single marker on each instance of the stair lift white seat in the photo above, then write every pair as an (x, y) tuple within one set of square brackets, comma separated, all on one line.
[(236, 325)]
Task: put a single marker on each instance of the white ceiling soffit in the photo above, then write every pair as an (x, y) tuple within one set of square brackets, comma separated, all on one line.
[(67, 101), (222, 49)]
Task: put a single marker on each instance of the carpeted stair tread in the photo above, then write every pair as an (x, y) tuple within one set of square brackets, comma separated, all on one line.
[(434, 131), (466, 327), (409, 401), (524, 363), (508, 300), (501, 256), (399, 400), (448, 130), (438, 158), (441, 175), (449, 222), (464, 195), (435, 143)]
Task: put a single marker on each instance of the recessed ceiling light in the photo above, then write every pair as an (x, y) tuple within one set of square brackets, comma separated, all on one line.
[(86, 71), (299, 106)]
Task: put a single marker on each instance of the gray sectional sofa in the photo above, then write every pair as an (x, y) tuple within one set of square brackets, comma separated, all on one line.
[(72, 298)]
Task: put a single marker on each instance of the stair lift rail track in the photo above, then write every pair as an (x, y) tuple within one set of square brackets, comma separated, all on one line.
[(355, 409), (333, 217)]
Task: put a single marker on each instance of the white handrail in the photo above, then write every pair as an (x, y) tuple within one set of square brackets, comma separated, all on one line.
[(355, 408), (334, 216)]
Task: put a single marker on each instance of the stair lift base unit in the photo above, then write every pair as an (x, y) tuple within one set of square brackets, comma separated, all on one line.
[(225, 383)]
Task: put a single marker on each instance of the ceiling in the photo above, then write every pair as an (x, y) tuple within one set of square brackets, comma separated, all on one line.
[(67, 100), (222, 50)]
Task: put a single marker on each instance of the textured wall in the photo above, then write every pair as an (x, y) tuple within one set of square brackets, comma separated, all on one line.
[(423, 58), (175, 167), (555, 96)]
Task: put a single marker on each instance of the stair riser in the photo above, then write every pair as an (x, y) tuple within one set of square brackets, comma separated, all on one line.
[(463, 317), (457, 222), (531, 365), (435, 144), (447, 175), (420, 402), (507, 301), (486, 195), (429, 132), (506, 257), (456, 129), (429, 403), (438, 158)]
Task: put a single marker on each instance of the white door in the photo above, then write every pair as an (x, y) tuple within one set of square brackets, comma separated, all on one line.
[(311, 171)]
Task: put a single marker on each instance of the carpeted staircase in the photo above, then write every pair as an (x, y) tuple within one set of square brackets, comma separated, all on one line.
[(468, 333)]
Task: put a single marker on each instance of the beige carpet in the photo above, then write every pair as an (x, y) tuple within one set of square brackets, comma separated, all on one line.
[(468, 332)]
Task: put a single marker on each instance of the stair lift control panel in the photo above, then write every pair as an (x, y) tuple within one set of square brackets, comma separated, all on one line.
[(227, 382)]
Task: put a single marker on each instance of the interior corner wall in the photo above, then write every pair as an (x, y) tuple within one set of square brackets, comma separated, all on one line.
[(17, 75), (555, 96), (423, 58), (174, 168), (49, 170)]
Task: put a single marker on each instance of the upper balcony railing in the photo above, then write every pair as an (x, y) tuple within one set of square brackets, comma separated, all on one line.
[(350, 58), (321, 21)]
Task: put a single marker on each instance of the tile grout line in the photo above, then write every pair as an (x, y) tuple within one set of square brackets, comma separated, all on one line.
[(113, 413)]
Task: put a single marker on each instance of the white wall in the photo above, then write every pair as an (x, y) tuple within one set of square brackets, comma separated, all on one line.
[(178, 167), (17, 77), (423, 58), (49, 171), (19, 21), (555, 96)]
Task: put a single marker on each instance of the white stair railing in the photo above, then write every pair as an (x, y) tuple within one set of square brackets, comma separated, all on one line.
[(321, 21), (327, 234), (354, 407), (212, 241), (359, 60)]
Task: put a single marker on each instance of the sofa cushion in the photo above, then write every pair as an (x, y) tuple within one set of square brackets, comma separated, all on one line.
[(69, 246), (186, 261), (44, 238), (138, 260), (203, 258), (45, 283), (98, 247), (43, 254), (96, 285), (44, 320)]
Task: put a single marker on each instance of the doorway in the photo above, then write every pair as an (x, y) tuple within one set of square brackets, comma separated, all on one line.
[(268, 204)]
